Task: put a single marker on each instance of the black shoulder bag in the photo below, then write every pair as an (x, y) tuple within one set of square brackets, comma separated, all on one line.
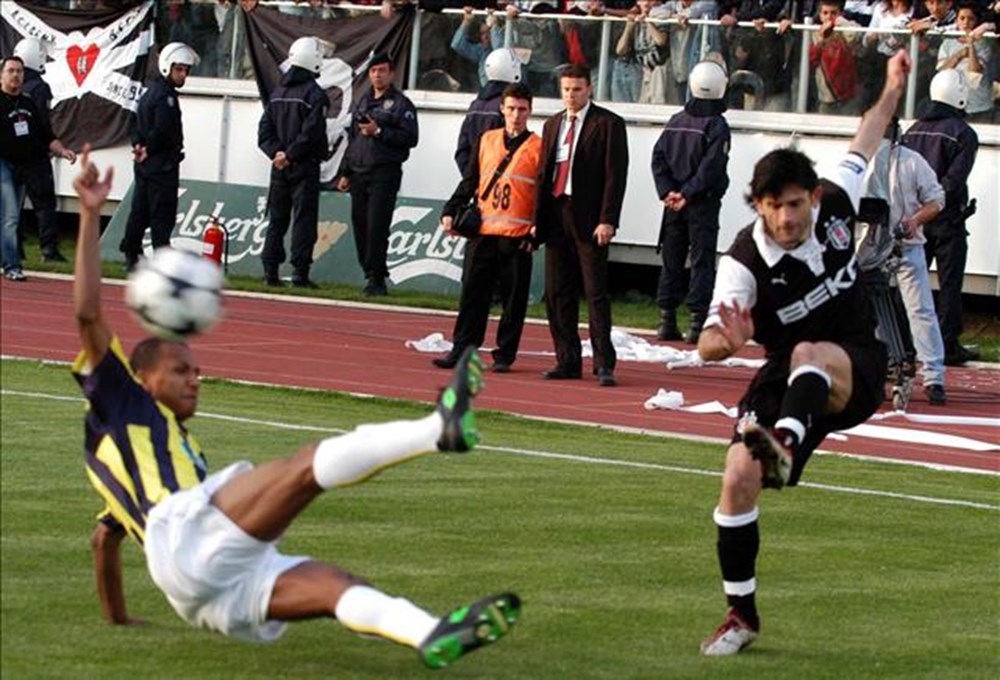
[(468, 219)]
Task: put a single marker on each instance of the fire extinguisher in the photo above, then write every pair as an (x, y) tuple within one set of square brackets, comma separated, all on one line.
[(216, 245)]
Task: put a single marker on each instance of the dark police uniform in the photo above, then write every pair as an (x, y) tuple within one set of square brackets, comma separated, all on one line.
[(483, 114), (374, 166), (813, 295), (158, 127), (691, 156), (949, 145), (294, 121)]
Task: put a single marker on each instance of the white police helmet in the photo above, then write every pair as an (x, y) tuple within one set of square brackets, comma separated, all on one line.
[(32, 53), (950, 87), (177, 53), (306, 53), (503, 64), (708, 80)]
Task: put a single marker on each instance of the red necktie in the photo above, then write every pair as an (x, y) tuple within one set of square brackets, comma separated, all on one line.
[(562, 167)]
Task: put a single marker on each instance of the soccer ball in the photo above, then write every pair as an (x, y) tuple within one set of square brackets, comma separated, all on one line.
[(175, 293)]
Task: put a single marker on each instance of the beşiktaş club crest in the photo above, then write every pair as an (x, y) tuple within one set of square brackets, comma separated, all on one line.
[(96, 62), (838, 235)]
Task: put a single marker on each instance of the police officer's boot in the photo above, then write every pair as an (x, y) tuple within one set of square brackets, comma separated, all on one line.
[(271, 276), (668, 325), (300, 279), (694, 332)]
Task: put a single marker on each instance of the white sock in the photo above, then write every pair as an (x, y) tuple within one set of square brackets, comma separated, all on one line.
[(354, 457), (363, 609)]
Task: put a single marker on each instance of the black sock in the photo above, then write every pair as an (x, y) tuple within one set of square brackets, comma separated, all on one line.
[(737, 548), (804, 403)]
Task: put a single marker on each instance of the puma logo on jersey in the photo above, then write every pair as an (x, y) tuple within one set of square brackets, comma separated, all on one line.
[(821, 294), (780, 279)]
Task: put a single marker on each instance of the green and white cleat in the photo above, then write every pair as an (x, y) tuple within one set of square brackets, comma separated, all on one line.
[(470, 627), (455, 404)]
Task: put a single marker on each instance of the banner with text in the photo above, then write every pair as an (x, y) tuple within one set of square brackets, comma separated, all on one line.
[(421, 255)]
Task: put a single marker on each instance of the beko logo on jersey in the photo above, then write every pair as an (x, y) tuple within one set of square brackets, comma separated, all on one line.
[(824, 292)]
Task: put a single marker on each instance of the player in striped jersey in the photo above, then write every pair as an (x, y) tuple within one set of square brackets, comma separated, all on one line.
[(790, 281), (210, 540)]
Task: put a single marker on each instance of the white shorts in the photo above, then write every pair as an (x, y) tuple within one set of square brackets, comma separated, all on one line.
[(213, 573)]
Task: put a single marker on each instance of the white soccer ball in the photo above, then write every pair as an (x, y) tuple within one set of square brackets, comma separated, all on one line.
[(175, 293)]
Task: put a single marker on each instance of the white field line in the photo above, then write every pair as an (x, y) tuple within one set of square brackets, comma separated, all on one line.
[(586, 460)]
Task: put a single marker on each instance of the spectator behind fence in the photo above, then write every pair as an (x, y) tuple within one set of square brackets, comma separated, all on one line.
[(973, 56), (543, 41), (626, 69), (831, 56), (39, 183), (650, 45), (933, 14), (488, 38), (762, 51), (383, 130), (949, 145), (902, 178), (687, 43), (887, 15)]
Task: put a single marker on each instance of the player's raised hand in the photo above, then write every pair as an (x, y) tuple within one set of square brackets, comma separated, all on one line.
[(91, 189)]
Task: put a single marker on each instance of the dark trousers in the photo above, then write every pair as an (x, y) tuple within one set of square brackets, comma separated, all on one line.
[(154, 205), (39, 186), (293, 192), (946, 242), (573, 261), (695, 228), (493, 259), (373, 200)]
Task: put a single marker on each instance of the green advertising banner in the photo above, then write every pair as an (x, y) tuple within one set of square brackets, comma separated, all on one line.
[(421, 255)]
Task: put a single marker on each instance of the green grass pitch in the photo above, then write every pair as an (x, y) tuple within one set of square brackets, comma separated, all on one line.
[(608, 538)]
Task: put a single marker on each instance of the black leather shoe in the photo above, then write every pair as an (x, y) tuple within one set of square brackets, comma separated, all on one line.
[(500, 367), (54, 256), (562, 373), (936, 395), (304, 283), (958, 355), (449, 360), (605, 378)]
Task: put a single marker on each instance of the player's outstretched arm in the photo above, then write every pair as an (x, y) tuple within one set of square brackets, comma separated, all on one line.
[(106, 546), (93, 191), (873, 123)]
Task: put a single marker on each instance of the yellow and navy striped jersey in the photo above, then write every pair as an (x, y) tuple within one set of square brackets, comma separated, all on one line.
[(137, 453)]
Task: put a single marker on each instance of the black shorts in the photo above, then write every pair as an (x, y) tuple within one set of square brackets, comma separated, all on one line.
[(761, 403)]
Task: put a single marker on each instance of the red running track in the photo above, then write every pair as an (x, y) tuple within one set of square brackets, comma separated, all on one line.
[(361, 349)]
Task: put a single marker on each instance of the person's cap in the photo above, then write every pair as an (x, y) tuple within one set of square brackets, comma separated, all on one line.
[(380, 58)]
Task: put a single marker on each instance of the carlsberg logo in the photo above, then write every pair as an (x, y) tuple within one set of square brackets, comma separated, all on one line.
[(246, 235), (418, 252)]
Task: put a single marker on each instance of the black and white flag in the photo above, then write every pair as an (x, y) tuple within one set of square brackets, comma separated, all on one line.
[(96, 65), (351, 42)]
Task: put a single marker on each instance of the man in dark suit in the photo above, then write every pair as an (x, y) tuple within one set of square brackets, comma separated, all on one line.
[(581, 186)]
